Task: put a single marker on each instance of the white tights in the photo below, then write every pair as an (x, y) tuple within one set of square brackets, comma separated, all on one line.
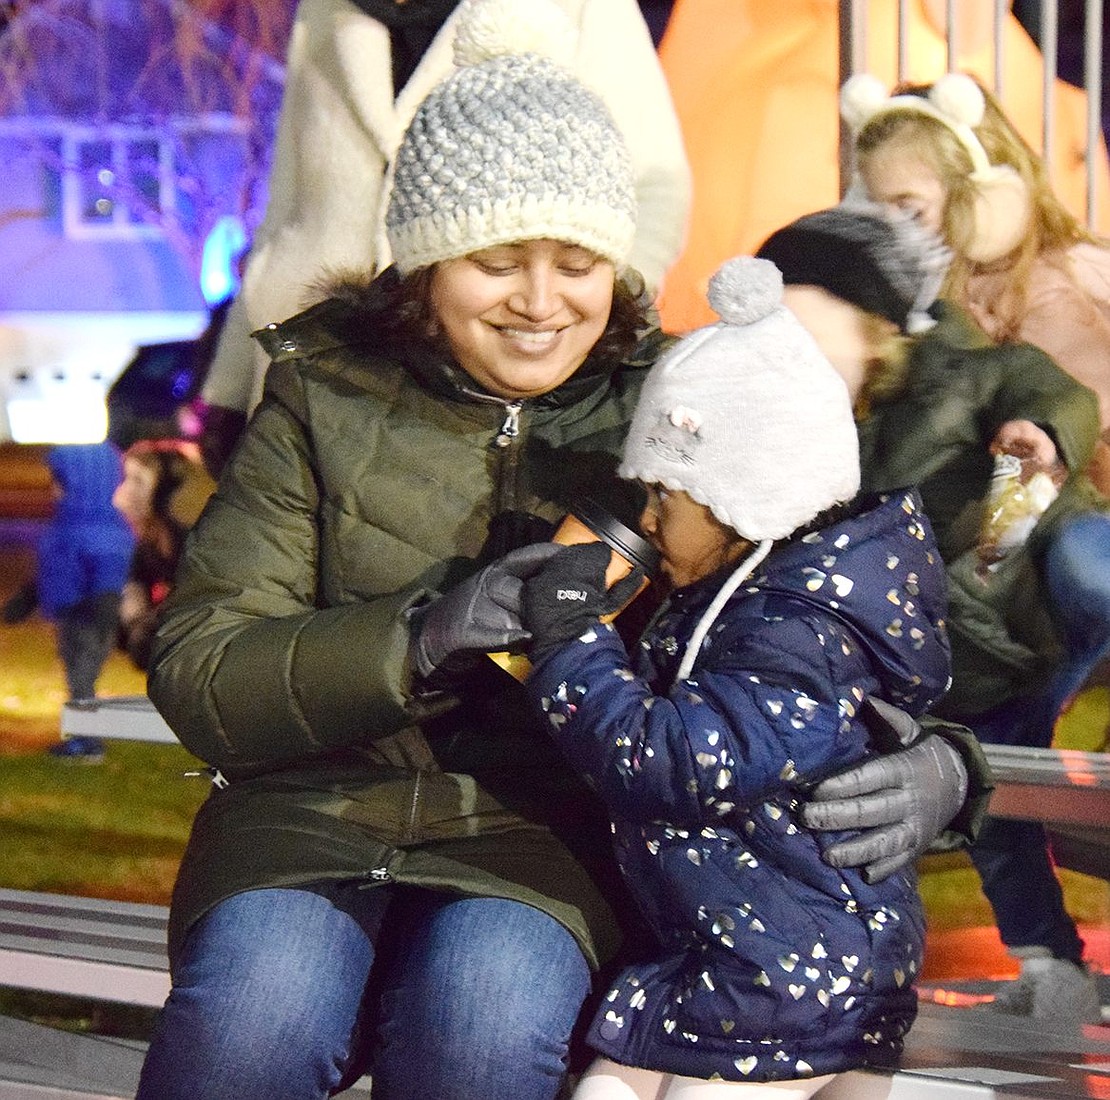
[(606, 1080)]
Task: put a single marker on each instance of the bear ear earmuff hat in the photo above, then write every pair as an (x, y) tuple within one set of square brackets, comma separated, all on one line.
[(510, 147), (1002, 207)]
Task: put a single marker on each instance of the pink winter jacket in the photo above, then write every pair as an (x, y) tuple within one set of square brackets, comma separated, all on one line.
[(1067, 314)]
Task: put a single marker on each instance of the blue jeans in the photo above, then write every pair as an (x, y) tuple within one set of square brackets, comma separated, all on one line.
[(274, 997), (1012, 857), (1077, 573)]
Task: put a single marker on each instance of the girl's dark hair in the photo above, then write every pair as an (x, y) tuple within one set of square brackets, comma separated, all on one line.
[(170, 467)]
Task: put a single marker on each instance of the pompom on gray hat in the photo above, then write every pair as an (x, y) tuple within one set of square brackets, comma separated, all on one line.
[(747, 416), (510, 147)]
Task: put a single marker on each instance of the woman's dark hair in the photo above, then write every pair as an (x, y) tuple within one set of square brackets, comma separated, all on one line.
[(399, 308)]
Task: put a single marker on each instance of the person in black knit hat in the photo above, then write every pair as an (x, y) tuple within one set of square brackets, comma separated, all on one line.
[(936, 402)]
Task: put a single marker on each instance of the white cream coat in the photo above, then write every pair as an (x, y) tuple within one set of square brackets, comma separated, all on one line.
[(339, 131)]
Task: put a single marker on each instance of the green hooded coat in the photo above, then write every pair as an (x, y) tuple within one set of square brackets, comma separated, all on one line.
[(373, 476)]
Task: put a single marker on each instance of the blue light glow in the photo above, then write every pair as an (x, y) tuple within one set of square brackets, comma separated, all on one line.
[(219, 260)]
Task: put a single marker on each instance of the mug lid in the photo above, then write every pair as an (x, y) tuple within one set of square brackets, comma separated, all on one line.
[(626, 542)]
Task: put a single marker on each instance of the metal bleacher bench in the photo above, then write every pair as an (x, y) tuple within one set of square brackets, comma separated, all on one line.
[(110, 951), (115, 950), (90, 947), (1065, 789), (84, 947), (101, 950), (119, 717)]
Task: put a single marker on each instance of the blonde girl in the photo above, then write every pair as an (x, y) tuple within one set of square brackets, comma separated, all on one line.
[(1022, 264)]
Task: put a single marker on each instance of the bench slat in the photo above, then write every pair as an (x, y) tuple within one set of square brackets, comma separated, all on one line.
[(84, 977), (89, 947), (36, 901), (150, 956), (52, 926), (120, 717)]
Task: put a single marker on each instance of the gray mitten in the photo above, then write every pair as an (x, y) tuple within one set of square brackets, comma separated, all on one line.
[(479, 615), (903, 800)]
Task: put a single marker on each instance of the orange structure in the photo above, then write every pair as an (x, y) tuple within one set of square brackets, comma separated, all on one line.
[(755, 85)]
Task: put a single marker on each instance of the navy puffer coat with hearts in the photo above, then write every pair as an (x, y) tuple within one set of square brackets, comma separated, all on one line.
[(770, 964)]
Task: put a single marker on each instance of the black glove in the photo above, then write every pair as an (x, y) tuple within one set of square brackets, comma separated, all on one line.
[(904, 800), (479, 615), (568, 595)]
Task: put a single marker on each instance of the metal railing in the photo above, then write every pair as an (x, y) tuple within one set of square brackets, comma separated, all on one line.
[(1043, 19)]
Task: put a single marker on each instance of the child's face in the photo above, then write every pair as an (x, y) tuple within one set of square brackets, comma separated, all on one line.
[(691, 541), (896, 176), (840, 329), (134, 496)]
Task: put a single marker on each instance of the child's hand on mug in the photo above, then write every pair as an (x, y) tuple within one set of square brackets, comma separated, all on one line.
[(569, 595)]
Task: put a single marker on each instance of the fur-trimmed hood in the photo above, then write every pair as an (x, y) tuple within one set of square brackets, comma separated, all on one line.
[(359, 310)]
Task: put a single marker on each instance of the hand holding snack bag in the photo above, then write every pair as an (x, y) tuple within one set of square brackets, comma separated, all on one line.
[(1021, 490)]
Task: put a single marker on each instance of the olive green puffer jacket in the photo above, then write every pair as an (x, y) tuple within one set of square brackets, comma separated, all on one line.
[(371, 477), (960, 388)]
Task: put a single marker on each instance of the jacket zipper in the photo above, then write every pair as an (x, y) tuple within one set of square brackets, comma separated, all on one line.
[(414, 807), (511, 428), (507, 441)]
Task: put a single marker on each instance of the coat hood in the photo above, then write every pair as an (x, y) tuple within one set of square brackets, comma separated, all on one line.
[(886, 534), (907, 638)]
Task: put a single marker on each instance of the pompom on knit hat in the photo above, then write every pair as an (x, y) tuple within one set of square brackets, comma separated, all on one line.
[(885, 262), (510, 147), (747, 416)]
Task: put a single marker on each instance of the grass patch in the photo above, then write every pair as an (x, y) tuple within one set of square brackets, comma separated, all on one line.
[(115, 830)]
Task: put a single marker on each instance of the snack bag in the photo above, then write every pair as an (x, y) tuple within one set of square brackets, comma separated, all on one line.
[(1020, 492)]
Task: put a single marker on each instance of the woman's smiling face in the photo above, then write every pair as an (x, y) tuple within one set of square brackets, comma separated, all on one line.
[(521, 318)]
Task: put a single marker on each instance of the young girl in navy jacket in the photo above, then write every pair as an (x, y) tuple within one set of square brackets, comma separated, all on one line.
[(795, 608)]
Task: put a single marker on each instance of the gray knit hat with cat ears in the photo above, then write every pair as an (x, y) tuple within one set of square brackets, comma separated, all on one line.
[(747, 415), (510, 147), (749, 418)]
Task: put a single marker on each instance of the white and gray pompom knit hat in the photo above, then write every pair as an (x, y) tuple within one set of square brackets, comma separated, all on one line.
[(511, 146), (747, 415)]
